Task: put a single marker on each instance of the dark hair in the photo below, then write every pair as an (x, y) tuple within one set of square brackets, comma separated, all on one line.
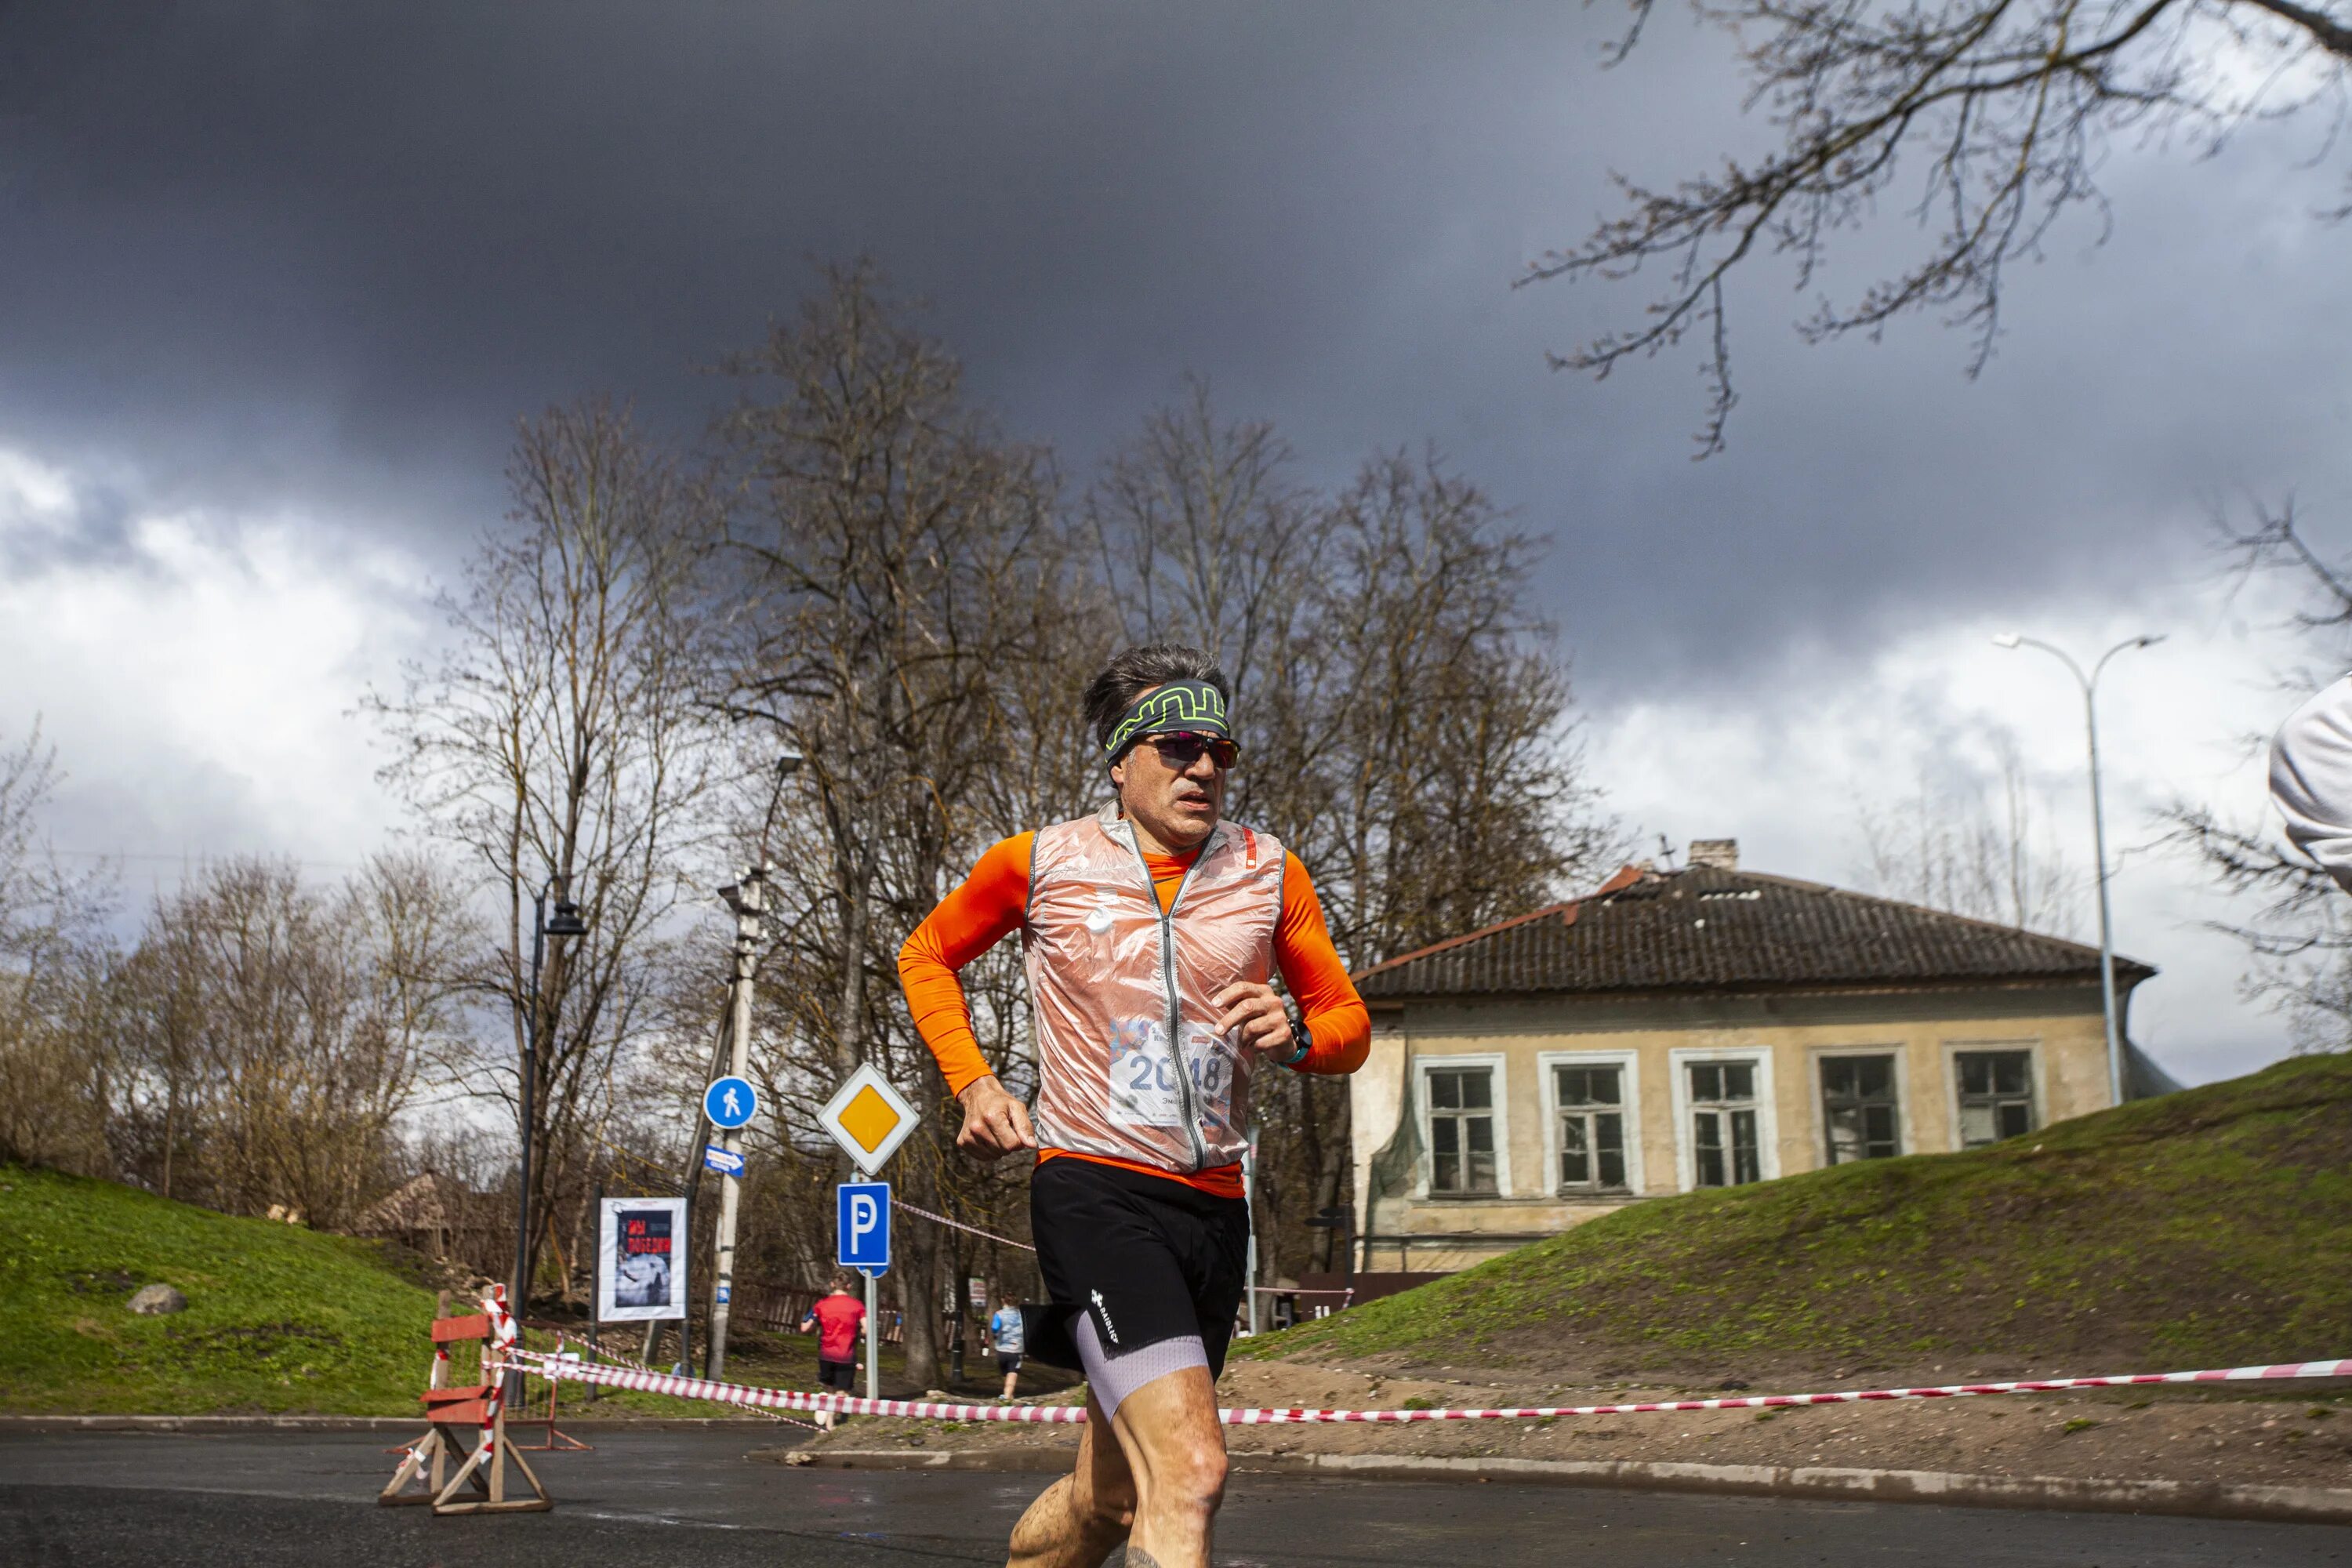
[(844, 1279), (1133, 672)]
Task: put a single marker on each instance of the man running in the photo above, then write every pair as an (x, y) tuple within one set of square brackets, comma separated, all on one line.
[(1151, 932), (1004, 1337), (836, 1319)]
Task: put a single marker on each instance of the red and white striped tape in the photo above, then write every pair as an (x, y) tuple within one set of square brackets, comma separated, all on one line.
[(496, 1353), (543, 1365), (738, 1393), (604, 1355), (900, 1202)]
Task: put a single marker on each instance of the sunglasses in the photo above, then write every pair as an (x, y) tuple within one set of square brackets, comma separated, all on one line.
[(1182, 751)]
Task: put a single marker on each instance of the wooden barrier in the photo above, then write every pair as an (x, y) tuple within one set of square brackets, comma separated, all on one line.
[(455, 1414)]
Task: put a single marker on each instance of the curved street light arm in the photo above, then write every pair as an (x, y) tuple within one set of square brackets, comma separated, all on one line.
[(2063, 656), (2145, 639)]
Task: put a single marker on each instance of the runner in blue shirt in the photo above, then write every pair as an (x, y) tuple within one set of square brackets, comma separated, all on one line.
[(1004, 1334)]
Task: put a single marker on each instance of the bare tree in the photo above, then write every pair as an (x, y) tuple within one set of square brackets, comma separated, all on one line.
[(909, 581), (1951, 849), (1985, 119), (2299, 938), (285, 1031), (1408, 718), (559, 740), (57, 1049)]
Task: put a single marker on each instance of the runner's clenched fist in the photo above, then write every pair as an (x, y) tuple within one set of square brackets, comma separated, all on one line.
[(994, 1122)]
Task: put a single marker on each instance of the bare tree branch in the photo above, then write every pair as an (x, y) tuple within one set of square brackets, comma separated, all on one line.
[(2007, 105)]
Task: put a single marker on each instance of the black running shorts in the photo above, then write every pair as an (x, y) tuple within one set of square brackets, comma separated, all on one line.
[(1150, 1259), (840, 1374)]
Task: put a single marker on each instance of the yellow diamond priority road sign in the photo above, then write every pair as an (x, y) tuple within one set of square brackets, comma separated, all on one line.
[(868, 1119)]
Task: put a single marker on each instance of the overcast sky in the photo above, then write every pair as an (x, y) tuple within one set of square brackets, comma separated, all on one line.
[(275, 282)]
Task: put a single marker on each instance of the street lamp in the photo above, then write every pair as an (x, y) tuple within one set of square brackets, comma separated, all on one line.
[(788, 763), (565, 923), (2090, 685)]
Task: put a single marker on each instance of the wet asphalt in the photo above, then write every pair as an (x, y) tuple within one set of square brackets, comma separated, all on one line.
[(657, 1497)]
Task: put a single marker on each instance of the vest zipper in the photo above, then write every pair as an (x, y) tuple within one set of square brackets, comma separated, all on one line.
[(1184, 1090)]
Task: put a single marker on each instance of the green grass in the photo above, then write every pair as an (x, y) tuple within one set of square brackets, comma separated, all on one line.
[(280, 1320), (2208, 1227)]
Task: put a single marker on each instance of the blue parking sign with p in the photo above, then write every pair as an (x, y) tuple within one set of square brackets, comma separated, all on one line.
[(863, 1224)]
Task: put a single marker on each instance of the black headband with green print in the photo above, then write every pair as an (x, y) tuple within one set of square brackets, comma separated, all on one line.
[(1178, 707)]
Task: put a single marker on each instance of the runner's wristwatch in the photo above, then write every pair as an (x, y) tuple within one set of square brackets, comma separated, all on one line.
[(1301, 1042)]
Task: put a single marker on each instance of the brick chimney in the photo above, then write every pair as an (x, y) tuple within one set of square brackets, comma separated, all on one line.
[(1714, 853)]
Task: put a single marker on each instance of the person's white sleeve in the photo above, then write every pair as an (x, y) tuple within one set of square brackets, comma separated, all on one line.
[(2311, 779)]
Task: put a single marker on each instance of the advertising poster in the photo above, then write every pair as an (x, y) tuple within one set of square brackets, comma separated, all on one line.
[(641, 1260)]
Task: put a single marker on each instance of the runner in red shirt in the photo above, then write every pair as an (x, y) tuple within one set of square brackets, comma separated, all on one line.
[(836, 1319)]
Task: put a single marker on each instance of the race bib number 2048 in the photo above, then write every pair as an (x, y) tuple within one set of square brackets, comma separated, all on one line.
[(1143, 1075)]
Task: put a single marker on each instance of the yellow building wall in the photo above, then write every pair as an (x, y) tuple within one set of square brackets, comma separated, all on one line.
[(2061, 1025)]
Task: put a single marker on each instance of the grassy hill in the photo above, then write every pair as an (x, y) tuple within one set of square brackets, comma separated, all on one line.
[(2211, 1227), (280, 1318)]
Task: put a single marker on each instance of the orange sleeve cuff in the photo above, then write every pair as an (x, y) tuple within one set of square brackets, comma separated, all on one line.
[(1334, 1015), (970, 920)]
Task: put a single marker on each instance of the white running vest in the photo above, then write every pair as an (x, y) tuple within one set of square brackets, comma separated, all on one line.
[(1128, 1062)]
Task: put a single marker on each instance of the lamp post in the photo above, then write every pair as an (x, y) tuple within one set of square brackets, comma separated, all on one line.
[(2090, 685), (566, 923)]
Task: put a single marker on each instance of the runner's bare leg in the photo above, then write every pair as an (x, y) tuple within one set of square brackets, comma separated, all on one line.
[(1176, 1451), (1161, 1493), (1080, 1519)]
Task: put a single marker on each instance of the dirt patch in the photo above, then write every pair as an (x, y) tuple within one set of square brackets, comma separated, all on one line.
[(2285, 1438), (102, 1282)]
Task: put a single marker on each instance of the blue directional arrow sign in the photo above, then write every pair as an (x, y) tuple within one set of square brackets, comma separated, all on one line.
[(730, 1102), (863, 1225), (726, 1162)]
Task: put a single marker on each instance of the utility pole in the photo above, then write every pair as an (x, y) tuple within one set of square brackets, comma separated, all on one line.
[(749, 900)]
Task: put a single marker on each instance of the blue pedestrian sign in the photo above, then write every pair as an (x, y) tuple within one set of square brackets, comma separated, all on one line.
[(730, 1102), (726, 1162), (864, 1225)]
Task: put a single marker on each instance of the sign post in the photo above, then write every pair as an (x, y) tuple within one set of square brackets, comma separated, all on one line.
[(869, 1119), (862, 1241), (730, 1103)]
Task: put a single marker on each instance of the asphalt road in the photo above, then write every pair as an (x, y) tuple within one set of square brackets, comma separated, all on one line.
[(647, 1499)]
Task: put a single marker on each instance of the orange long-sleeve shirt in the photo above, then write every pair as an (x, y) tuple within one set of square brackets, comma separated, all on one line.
[(989, 907)]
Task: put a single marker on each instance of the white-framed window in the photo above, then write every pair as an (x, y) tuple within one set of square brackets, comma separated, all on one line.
[(1996, 1091), (1725, 1134), (1862, 1104), (1592, 1115), (1465, 1130)]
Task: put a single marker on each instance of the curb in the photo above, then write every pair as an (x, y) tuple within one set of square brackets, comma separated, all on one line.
[(2201, 1500), (235, 1424)]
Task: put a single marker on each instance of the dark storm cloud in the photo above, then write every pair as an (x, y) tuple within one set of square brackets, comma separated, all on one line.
[(324, 257)]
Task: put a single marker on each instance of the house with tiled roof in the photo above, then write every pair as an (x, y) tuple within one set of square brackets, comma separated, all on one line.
[(1703, 1027)]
